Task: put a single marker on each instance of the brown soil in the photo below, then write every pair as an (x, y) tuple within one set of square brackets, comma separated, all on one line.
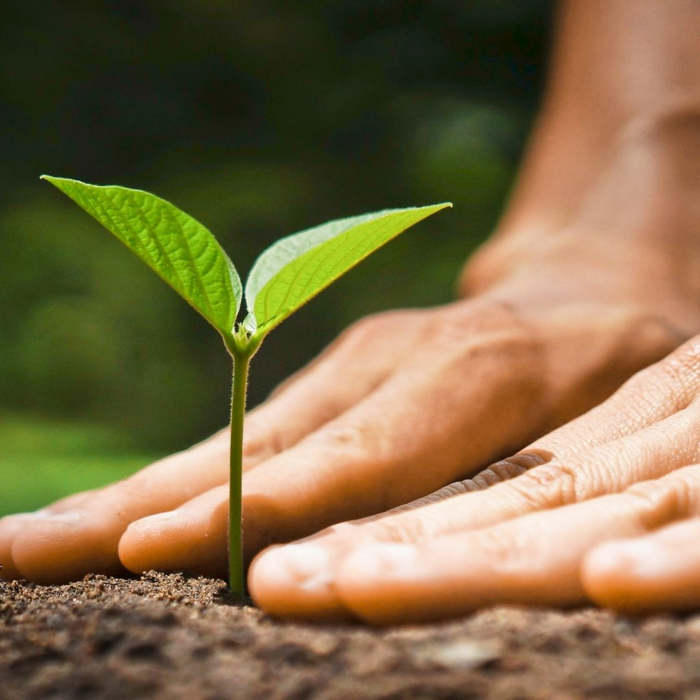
[(167, 636)]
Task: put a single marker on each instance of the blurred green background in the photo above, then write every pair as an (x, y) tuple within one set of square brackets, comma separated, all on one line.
[(259, 118)]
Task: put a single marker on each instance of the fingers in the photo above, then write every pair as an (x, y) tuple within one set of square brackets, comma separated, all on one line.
[(591, 458), (81, 535), (532, 559), (12, 525), (606, 469), (372, 457), (53, 548), (649, 396), (347, 371), (191, 538), (659, 571), (417, 431)]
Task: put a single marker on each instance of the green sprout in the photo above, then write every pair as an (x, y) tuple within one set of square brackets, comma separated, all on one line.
[(284, 277)]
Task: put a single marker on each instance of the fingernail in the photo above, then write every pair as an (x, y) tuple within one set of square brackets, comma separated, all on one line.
[(157, 518), (308, 565), (638, 557), (152, 524), (376, 560)]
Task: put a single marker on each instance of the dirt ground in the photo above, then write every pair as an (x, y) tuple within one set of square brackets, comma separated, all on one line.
[(167, 636)]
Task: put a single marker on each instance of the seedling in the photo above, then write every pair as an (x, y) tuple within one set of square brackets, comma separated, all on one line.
[(284, 277)]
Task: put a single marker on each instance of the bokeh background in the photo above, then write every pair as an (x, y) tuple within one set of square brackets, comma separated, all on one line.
[(259, 118)]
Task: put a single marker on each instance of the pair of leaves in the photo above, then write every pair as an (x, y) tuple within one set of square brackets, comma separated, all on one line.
[(188, 257)]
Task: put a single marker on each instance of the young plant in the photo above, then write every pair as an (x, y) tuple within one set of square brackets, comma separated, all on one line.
[(284, 277)]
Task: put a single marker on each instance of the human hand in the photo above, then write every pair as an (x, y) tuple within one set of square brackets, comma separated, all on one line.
[(606, 508), (593, 275), (400, 405)]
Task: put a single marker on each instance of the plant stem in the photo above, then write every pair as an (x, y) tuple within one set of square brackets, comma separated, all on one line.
[(241, 362)]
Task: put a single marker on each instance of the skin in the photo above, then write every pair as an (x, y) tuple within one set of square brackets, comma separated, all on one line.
[(592, 275), (606, 508)]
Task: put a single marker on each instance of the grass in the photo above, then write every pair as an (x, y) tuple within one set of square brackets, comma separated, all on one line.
[(42, 460)]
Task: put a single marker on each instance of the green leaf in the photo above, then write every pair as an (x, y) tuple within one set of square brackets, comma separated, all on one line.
[(173, 244), (296, 268)]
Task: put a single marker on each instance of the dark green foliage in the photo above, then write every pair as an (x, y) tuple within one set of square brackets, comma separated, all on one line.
[(322, 109)]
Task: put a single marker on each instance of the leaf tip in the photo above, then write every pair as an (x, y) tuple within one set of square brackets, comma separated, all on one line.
[(437, 207), (51, 178)]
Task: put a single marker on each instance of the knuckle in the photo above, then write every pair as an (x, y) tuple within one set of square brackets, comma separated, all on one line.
[(346, 531), (676, 376), (548, 486), (501, 546), (364, 335), (656, 502), (366, 328), (684, 363), (400, 527), (407, 527), (486, 478), (272, 443), (362, 329), (638, 336), (263, 438), (496, 474), (490, 321), (456, 488), (694, 411), (345, 437), (504, 351), (511, 467), (349, 339), (654, 334)]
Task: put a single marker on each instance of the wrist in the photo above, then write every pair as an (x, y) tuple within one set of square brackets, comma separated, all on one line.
[(632, 236)]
